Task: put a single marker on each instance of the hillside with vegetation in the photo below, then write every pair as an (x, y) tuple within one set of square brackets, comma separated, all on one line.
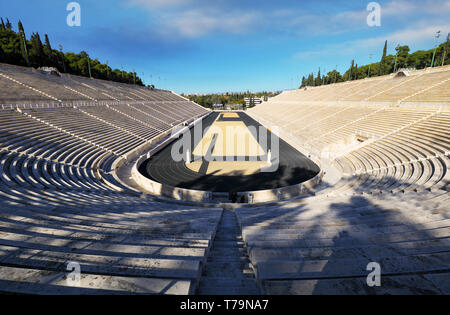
[(388, 64), (208, 100), (16, 49)]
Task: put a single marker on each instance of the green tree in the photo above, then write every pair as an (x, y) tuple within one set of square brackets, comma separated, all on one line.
[(308, 81), (83, 64), (383, 60), (303, 82), (37, 55), (51, 57), (402, 57), (318, 80), (23, 44), (8, 24), (334, 77)]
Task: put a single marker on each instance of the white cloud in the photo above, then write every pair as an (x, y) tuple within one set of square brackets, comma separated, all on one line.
[(398, 7), (150, 4), (405, 8), (195, 23), (407, 36), (398, 12), (411, 37), (196, 18)]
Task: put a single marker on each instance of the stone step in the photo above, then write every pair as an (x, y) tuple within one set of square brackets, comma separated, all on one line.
[(351, 267), (438, 229), (228, 270), (44, 282), (69, 229), (52, 235), (226, 286), (405, 248), (228, 254), (349, 241), (228, 244), (232, 267), (426, 284), (102, 265), (101, 248)]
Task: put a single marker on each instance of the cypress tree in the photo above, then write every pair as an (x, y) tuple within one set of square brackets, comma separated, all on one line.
[(47, 43), (383, 58), (3, 26), (350, 76), (8, 24), (23, 44), (311, 79), (48, 51), (303, 82), (37, 50)]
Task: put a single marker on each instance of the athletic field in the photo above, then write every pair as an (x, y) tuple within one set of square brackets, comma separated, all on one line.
[(231, 156)]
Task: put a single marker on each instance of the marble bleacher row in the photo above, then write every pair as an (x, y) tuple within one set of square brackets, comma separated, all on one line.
[(59, 203), (323, 246), (391, 205), (123, 244), (395, 136), (422, 85), (19, 84), (416, 157)]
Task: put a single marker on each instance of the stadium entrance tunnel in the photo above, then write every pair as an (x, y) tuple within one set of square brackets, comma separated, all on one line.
[(233, 158)]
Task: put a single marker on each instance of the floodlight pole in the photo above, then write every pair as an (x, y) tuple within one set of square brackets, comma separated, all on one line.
[(396, 55), (438, 34), (434, 55), (62, 57), (89, 66)]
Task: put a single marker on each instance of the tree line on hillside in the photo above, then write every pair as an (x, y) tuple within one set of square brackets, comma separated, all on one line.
[(209, 100), (16, 49), (388, 64)]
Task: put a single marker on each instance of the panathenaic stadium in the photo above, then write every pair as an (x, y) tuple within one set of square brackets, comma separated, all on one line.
[(109, 188)]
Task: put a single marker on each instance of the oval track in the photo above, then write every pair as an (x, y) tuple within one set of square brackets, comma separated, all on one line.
[(294, 168)]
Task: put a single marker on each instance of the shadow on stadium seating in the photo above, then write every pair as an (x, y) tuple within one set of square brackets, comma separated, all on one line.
[(377, 234), (324, 245), (106, 235)]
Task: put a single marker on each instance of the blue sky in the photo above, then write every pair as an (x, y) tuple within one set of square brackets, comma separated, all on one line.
[(207, 46)]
